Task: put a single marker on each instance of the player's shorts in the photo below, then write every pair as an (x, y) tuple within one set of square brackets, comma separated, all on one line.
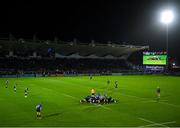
[(38, 110)]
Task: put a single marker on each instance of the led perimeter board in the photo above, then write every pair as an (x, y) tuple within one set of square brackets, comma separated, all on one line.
[(154, 58)]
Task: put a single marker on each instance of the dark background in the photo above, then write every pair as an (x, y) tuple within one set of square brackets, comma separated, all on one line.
[(134, 22)]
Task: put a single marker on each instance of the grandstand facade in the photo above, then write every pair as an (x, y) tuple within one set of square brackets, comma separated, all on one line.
[(23, 48), (44, 57)]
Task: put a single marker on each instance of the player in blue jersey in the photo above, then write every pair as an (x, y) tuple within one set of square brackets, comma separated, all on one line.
[(38, 110), (25, 93), (86, 99), (15, 85), (7, 82)]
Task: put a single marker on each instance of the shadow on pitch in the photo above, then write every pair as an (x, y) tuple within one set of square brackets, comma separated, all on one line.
[(52, 115)]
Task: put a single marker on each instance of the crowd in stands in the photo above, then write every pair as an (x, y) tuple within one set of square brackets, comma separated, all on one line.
[(18, 57), (60, 66)]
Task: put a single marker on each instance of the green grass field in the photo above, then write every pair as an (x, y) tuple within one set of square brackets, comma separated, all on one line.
[(136, 106)]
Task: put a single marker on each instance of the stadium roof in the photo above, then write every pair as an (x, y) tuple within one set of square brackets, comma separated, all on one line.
[(73, 50)]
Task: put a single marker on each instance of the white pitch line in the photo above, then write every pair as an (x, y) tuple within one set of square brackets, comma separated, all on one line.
[(161, 102), (148, 101), (103, 106), (69, 96), (170, 104), (99, 105), (164, 100), (170, 122), (134, 96), (154, 123)]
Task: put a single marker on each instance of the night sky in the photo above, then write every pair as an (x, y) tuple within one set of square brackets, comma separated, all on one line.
[(134, 22)]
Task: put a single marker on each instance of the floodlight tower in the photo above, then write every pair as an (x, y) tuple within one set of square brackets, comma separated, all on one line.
[(167, 17)]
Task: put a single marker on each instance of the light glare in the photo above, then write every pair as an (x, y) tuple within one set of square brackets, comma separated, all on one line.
[(167, 17)]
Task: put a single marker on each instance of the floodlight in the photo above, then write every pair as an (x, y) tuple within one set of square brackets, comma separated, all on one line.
[(167, 16)]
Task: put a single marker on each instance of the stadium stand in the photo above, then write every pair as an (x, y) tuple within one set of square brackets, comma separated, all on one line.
[(48, 58)]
